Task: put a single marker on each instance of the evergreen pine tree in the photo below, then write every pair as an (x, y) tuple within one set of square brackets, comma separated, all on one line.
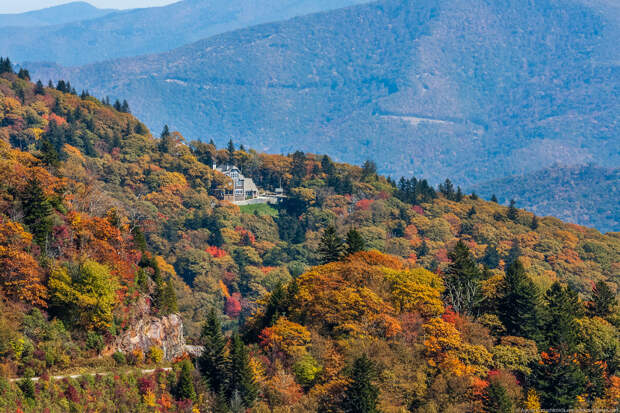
[(241, 375), (23, 74), (165, 141), (361, 394), (49, 154), (471, 212), (125, 107), (27, 387), (423, 249), (369, 170), (462, 280), (5, 65), (496, 399), (560, 327), (519, 305), (331, 246), (491, 257), (474, 196), (216, 238), (169, 298), (37, 211), (514, 253), (220, 404), (213, 362), (459, 194), (355, 242), (513, 212), (558, 380), (38, 88), (534, 223), (603, 300), (185, 385), (327, 165), (230, 149), (447, 189), (494, 198)]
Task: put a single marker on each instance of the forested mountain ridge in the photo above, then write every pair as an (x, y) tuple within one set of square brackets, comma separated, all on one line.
[(583, 194), (64, 13), (436, 300), (407, 84), (128, 33)]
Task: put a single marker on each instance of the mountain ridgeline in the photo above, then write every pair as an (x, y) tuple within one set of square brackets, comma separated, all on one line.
[(585, 195), (65, 13), (128, 33), (475, 90)]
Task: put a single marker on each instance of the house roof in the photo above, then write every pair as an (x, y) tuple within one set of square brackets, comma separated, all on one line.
[(249, 185)]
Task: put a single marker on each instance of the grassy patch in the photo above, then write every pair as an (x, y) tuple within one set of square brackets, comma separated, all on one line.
[(260, 209)]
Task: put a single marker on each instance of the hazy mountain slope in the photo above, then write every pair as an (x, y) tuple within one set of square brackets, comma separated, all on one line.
[(149, 30), (473, 90), (584, 195), (65, 13)]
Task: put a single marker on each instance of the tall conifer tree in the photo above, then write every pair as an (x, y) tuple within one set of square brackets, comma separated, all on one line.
[(331, 247), (37, 211), (361, 395), (213, 362), (355, 242), (242, 380), (519, 306)]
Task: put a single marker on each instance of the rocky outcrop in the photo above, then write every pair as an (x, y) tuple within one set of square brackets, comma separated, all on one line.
[(145, 333)]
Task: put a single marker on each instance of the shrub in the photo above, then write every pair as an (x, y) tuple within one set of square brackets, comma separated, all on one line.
[(94, 341), (119, 358), (156, 354)]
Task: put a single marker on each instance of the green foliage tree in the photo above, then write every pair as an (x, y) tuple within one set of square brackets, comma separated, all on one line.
[(84, 293), (369, 170), (491, 257), (230, 149), (560, 327), (603, 300), (462, 280), (513, 212), (494, 199), (331, 246), (447, 189), (38, 88), (37, 211), (361, 395), (185, 385), (169, 299), (27, 387), (519, 304), (242, 380), (558, 380), (23, 74), (354, 242), (165, 142), (496, 399), (213, 362), (534, 224), (5, 65)]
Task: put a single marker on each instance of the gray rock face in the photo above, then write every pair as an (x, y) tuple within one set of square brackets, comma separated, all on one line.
[(165, 333)]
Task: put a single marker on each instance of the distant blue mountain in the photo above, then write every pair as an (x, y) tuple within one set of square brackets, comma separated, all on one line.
[(149, 30), (582, 194), (474, 90), (65, 13)]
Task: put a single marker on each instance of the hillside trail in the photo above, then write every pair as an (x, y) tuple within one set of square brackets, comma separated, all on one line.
[(75, 376)]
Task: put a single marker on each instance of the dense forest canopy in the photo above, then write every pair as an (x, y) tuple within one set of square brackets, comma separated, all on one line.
[(357, 293)]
